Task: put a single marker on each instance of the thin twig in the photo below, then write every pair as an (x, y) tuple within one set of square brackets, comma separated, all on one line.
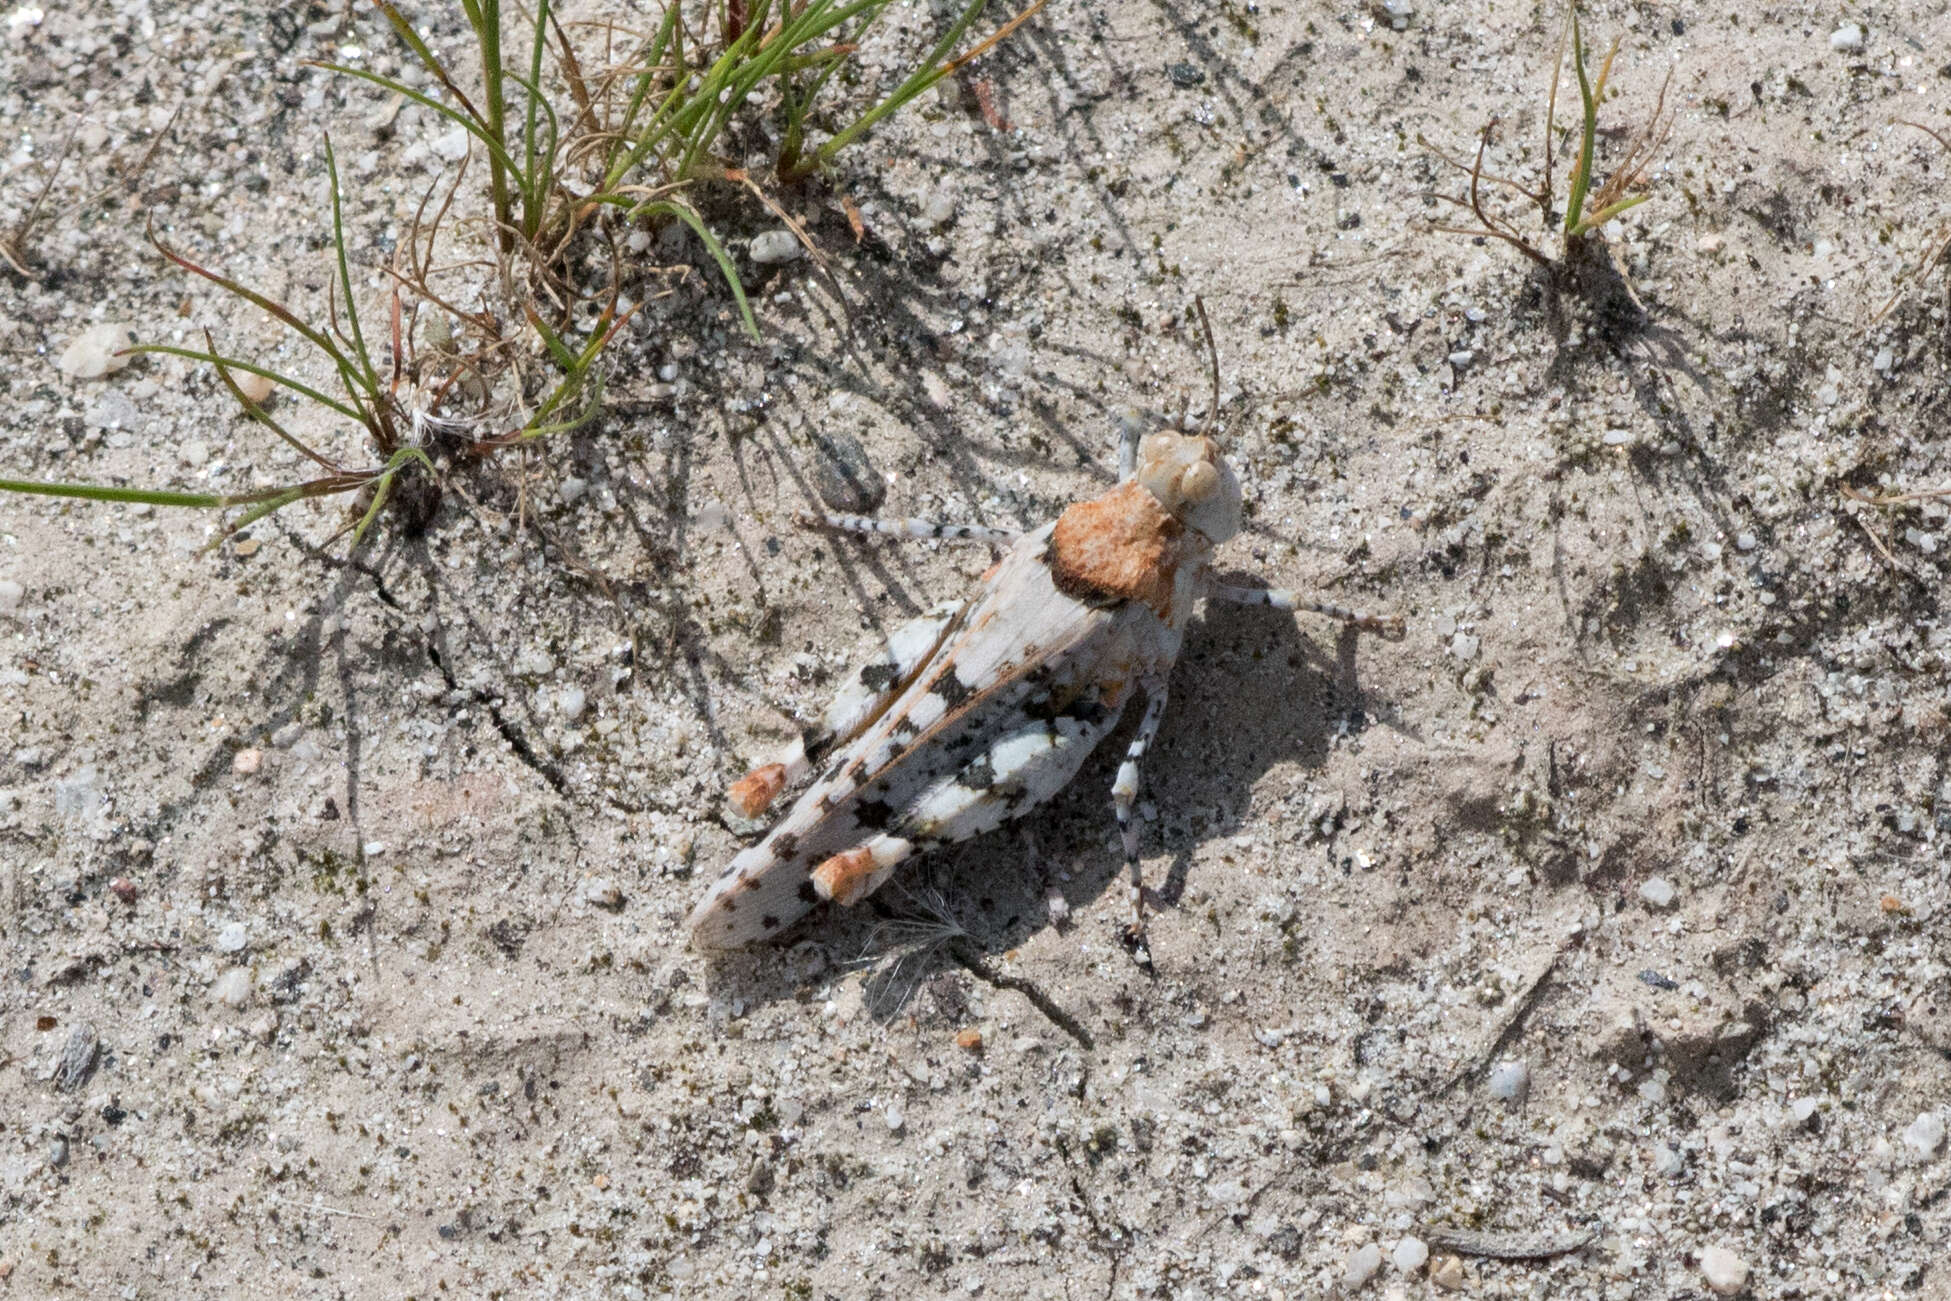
[(1923, 494)]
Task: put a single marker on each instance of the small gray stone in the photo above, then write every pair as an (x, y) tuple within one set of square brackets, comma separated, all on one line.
[(601, 892), (1657, 892), (940, 208), (772, 247), (78, 1058), (1509, 1082), (1925, 1135), (1363, 1261), (233, 988), (1185, 75), (843, 476), (1725, 1272)]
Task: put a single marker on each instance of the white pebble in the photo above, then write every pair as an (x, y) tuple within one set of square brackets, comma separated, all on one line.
[(1724, 1271), (1362, 1263), (233, 988), (452, 146), (246, 762), (774, 246), (1744, 541), (940, 208), (571, 701), (1462, 357), (1510, 1082), (233, 938), (1397, 13), (1657, 892), (1925, 1135), (10, 594), (1410, 1255), (894, 1119), (92, 353), (1885, 359), (572, 490), (1846, 39)]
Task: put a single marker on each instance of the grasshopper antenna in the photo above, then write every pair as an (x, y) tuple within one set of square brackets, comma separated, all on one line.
[(1212, 361)]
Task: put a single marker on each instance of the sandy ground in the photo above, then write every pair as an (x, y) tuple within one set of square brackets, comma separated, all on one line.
[(341, 902)]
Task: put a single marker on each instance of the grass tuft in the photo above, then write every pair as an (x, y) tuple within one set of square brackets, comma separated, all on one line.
[(1588, 206), (577, 152)]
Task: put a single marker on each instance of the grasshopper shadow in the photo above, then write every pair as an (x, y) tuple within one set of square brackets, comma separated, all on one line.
[(1252, 691)]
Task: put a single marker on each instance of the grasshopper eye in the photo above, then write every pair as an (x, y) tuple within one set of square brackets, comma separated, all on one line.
[(1199, 482)]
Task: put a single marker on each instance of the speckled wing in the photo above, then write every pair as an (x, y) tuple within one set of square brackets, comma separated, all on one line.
[(998, 719)]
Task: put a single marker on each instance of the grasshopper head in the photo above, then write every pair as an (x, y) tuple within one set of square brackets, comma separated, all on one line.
[(1192, 481)]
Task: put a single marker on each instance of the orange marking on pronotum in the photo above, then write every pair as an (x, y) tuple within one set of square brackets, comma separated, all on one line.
[(1118, 547)]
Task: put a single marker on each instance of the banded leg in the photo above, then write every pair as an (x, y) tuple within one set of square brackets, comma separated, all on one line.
[(1124, 797), (1281, 599), (908, 528), (859, 701)]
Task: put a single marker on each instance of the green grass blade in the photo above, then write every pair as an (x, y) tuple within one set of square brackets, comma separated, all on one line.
[(276, 377), (380, 494), (1603, 215), (653, 59), (922, 79), (1582, 172), (345, 273), (534, 194), (685, 213), (102, 492), (428, 59), (258, 512), (350, 373), (263, 417), (538, 181)]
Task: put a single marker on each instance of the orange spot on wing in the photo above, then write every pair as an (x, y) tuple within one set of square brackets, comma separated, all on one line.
[(1118, 547), (842, 877), (754, 793)]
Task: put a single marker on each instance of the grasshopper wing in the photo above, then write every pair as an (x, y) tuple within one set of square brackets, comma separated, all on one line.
[(995, 721)]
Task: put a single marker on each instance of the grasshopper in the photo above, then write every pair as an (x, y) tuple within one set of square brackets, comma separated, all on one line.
[(983, 708)]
